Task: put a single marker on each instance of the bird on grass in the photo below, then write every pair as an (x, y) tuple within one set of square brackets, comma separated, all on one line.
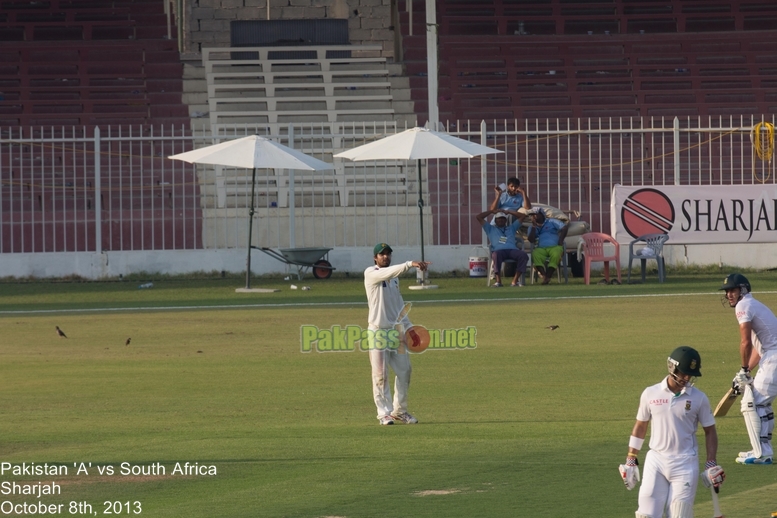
[(60, 332), (128, 341), (552, 328)]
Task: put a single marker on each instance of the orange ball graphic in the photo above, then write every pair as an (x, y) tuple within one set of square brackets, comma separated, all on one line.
[(417, 339)]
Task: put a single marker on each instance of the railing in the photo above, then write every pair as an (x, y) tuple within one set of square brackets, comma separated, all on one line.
[(58, 186)]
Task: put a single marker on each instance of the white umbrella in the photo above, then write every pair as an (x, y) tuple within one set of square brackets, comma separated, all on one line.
[(253, 152), (417, 144)]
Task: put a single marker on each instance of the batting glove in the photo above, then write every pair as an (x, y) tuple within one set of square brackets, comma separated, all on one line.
[(742, 378), (713, 477), (630, 473)]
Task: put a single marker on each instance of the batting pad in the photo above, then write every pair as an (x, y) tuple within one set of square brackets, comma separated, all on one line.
[(680, 509), (766, 414), (752, 420)]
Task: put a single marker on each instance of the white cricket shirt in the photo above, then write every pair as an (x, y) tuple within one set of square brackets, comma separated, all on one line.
[(383, 297), (674, 419), (763, 321)]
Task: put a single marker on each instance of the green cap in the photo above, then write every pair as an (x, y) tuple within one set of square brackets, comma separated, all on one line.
[(380, 247)]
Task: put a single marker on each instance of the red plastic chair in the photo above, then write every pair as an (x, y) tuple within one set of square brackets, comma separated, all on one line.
[(593, 246)]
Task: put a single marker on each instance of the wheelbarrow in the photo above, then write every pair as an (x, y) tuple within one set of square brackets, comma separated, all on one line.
[(304, 259)]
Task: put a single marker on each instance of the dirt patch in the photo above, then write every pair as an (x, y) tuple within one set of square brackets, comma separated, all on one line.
[(436, 492), (96, 479)]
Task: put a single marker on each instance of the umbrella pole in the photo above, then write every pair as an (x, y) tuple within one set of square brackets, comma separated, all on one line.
[(421, 275), (421, 211), (250, 230)]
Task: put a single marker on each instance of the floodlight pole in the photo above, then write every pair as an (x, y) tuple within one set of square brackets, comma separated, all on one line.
[(431, 64), (250, 230)]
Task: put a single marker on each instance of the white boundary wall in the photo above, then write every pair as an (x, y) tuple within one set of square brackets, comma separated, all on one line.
[(572, 165), (354, 260)]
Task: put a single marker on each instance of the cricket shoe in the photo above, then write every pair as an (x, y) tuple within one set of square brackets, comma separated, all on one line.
[(405, 418), (754, 460), (386, 420)]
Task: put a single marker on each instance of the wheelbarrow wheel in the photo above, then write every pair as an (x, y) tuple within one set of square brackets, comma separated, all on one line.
[(322, 269)]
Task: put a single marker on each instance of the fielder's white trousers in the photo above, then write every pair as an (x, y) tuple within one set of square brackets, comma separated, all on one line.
[(665, 479), (381, 360)]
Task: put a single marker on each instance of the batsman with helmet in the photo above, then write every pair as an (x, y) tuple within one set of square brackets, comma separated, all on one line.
[(757, 348), (671, 472)]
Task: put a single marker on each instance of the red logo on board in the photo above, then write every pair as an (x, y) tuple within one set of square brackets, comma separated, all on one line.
[(647, 211)]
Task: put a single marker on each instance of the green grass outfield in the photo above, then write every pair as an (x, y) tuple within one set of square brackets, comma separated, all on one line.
[(531, 423)]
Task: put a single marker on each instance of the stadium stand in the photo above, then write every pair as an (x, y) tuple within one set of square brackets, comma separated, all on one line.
[(552, 59), (85, 62), (535, 61), (277, 85), (82, 64)]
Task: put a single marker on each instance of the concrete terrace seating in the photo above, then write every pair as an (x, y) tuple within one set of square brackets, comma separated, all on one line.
[(333, 83), (326, 188), (303, 85)]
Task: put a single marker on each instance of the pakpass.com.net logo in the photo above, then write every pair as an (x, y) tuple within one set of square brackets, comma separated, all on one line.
[(355, 338)]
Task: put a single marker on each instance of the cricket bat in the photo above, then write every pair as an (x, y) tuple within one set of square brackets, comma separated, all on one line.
[(715, 504), (399, 328), (726, 402)]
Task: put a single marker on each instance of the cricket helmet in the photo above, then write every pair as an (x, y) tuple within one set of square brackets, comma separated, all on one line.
[(736, 280), (684, 360)]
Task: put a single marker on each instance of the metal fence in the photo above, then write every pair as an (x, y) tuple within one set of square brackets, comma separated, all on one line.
[(59, 185)]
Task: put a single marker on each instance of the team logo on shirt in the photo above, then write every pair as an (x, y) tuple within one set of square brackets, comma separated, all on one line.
[(687, 405)]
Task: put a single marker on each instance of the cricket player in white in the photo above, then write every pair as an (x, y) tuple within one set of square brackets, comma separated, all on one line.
[(675, 408), (385, 305), (757, 348)]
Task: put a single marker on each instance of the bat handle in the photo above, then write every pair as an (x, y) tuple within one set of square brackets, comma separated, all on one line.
[(715, 503)]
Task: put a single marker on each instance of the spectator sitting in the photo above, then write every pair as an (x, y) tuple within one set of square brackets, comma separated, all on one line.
[(503, 243), (550, 234)]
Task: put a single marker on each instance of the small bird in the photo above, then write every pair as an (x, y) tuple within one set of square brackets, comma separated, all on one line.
[(552, 328), (60, 332), (128, 341)]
